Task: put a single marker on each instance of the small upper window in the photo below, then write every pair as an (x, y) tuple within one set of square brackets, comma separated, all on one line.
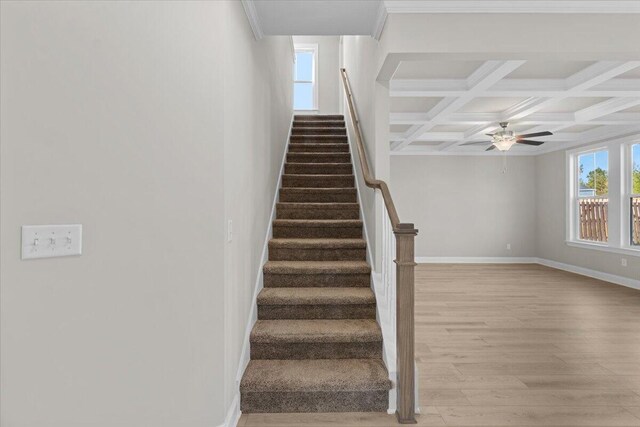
[(592, 198), (305, 87)]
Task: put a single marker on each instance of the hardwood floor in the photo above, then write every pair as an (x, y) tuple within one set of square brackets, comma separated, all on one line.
[(515, 345)]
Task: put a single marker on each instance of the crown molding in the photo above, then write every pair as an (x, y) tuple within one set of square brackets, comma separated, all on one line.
[(523, 6), (252, 16), (381, 18)]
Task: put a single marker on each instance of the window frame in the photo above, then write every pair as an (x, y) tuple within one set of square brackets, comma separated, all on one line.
[(627, 193), (574, 199), (313, 48), (619, 187)]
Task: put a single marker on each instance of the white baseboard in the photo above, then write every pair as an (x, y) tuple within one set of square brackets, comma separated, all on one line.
[(607, 277), (233, 413), (476, 260), (612, 278)]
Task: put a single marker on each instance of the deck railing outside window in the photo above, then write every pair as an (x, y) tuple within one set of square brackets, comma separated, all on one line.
[(593, 214)]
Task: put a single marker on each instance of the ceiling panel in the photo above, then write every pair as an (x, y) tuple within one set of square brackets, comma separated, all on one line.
[(548, 69), (473, 108), (413, 105)]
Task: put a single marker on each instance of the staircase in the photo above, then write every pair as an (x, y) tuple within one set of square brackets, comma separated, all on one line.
[(316, 346)]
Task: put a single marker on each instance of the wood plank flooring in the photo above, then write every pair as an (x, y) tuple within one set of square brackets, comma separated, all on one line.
[(514, 345)]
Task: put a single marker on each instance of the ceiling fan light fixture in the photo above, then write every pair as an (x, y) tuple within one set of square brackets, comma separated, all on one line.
[(504, 140)]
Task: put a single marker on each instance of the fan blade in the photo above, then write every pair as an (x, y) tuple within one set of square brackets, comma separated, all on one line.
[(476, 143), (489, 134), (529, 142), (490, 148), (533, 135)]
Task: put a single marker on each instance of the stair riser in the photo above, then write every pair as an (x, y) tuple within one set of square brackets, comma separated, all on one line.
[(318, 123), (286, 213), (346, 311), (286, 254), (318, 158), (310, 196), (318, 148), (313, 181), (317, 117), (305, 350), (273, 280), (364, 401), (317, 232), (318, 168), (311, 139)]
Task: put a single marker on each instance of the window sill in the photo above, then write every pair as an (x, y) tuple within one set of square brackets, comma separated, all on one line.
[(603, 248)]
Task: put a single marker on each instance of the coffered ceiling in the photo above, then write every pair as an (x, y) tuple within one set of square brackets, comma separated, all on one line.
[(437, 106)]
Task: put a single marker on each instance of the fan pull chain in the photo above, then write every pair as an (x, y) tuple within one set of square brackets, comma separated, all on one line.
[(504, 162)]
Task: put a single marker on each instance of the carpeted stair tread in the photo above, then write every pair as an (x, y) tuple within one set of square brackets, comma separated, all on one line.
[(318, 243), (318, 139), (319, 195), (330, 375), (317, 117), (317, 267), (318, 206), (319, 157), (316, 296), (316, 331), (318, 180), (321, 223), (316, 123), (314, 148), (318, 168)]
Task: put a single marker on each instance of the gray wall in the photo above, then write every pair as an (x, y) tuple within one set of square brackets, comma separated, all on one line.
[(550, 224), (124, 117), (465, 206), (329, 94)]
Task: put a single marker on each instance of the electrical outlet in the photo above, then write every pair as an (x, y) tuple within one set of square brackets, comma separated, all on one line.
[(229, 231), (508, 246), (623, 262)]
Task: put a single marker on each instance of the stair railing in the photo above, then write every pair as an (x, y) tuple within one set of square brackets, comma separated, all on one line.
[(399, 238)]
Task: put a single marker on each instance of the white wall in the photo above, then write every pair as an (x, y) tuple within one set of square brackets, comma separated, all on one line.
[(329, 94), (465, 206), (371, 99), (551, 222), (127, 118), (257, 121)]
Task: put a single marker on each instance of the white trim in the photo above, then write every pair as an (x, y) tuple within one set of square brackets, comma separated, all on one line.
[(607, 277), (233, 414), (253, 313), (476, 260), (612, 278), (381, 18), (604, 248), (252, 16), (523, 6)]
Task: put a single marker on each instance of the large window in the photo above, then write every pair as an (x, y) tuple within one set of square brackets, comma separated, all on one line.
[(634, 197), (603, 204), (592, 196), (305, 76)]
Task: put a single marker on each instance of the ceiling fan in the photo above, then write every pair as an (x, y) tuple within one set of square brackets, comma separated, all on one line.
[(504, 139)]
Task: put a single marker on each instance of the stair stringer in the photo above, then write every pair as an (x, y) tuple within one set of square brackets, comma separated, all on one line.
[(259, 284)]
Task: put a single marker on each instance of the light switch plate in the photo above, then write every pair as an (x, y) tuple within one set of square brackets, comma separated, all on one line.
[(47, 241)]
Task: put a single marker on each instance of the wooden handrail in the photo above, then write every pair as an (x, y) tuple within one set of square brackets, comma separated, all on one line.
[(405, 234)]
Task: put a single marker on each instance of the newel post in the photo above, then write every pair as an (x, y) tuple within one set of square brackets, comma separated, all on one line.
[(405, 330)]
